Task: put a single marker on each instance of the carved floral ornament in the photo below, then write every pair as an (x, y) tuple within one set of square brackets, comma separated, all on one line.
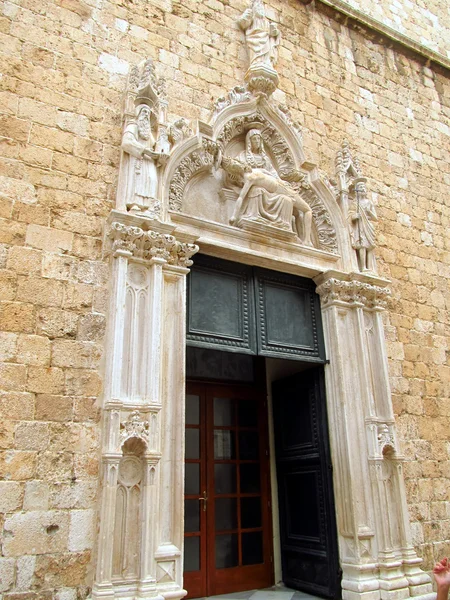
[(386, 441), (335, 291), (150, 245), (134, 427)]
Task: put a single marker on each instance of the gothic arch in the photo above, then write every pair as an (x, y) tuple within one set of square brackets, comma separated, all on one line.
[(196, 159)]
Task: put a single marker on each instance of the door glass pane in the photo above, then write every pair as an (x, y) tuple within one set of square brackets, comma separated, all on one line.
[(191, 515), (250, 512), (226, 514), (226, 551), (225, 479), (247, 413), (248, 445), (252, 548), (192, 449), (192, 409), (249, 479), (192, 478), (223, 411), (224, 444), (191, 554)]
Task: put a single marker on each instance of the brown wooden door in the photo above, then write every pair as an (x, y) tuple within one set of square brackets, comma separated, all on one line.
[(227, 512)]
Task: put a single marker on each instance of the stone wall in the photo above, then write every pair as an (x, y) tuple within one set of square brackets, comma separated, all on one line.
[(424, 22), (64, 69)]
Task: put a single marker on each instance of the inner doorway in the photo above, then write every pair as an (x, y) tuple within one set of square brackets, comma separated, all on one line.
[(228, 545)]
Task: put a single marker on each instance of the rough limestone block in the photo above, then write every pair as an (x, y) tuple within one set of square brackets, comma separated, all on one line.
[(11, 496), (81, 532), (45, 238), (36, 532), (25, 572), (36, 495), (6, 574)]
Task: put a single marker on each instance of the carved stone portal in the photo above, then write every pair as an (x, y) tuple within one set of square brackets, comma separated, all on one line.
[(241, 185)]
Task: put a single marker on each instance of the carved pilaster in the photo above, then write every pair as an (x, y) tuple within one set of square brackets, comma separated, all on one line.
[(139, 414), (373, 527)]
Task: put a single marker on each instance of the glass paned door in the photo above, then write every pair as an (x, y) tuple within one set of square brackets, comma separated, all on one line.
[(227, 516)]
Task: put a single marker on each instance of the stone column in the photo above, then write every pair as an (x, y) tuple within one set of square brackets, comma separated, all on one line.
[(171, 501), (377, 557), (143, 414)]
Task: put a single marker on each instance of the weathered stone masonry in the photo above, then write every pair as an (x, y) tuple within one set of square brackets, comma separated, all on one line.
[(64, 66)]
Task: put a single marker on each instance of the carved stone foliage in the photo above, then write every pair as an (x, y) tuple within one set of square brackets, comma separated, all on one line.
[(324, 227), (198, 160), (352, 292), (134, 427), (285, 113), (385, 437), (179, 131), (238, 94), (150, 244)]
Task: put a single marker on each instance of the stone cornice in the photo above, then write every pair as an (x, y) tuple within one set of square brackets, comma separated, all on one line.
[(353, 289), (155, 244), (363, 20)]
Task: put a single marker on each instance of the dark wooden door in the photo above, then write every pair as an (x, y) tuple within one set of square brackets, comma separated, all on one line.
[(309, 551), (227, 514)]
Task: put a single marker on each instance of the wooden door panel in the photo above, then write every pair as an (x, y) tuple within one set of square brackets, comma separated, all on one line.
[(195, 543), (236, 531), (309, 553)]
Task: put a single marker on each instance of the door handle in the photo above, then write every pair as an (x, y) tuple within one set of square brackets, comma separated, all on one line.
[(204, 499)]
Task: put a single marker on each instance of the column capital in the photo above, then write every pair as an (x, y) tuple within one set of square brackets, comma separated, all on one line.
[(148, 240), (352, 289)]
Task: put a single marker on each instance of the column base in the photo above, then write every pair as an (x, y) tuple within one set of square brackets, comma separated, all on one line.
[(360, 582), (103, 591), (174, 594)]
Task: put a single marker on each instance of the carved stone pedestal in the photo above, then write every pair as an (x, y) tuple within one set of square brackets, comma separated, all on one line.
[(267, 230), (262, 79)]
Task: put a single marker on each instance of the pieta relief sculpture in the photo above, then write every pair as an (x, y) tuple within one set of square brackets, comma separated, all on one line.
[(265, 198)]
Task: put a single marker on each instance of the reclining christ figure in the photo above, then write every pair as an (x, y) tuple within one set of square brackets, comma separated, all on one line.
[(265, 197)]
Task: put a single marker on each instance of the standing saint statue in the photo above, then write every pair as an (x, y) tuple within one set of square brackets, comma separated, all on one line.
[(262, 37), (265, 198), (363, 230), (142, 178)]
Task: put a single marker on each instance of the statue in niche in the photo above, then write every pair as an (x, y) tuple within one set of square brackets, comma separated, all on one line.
[(265, 198), (362, 227), (262, 37), (139, 142)]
